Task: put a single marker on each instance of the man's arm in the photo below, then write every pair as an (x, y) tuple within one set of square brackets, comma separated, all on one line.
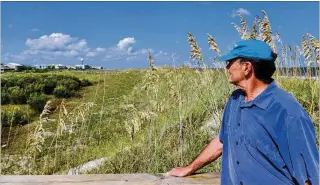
[(302, 147), (210, 153)]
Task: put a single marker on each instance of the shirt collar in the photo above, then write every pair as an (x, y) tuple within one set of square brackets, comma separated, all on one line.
[(264, 99)]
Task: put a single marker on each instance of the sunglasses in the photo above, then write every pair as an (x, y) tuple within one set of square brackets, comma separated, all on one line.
[(230, 62)]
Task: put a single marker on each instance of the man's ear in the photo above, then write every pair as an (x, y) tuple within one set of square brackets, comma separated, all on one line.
[(248, 68)]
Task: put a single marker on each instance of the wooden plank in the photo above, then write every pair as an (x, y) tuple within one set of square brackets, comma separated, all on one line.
[(111, 179)]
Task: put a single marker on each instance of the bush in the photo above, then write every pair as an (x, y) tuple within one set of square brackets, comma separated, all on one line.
[(85, 83), (62, 92), (49, 84), (16, 95), (4, 96), (27, 80), (37, 101), (14, 116), (17, 89), (69, 84), (34, 88)]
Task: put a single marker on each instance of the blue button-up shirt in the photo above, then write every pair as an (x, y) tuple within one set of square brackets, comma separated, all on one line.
[(268, 141)]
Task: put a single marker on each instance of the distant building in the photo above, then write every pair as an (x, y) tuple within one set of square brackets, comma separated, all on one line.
[(97, 67), (42, 66), (84, 66), (13, 66), (5, 68), (60, 66), (71, 67)]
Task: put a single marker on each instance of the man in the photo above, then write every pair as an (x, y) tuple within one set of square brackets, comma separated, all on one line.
[(266, 137)]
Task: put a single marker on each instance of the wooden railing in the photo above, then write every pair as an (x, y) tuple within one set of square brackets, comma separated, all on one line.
[(111, 179)]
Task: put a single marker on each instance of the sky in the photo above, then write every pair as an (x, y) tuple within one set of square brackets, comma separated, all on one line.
[(118, 35)]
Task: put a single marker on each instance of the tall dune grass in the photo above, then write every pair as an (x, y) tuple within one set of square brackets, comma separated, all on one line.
[(148, 121)]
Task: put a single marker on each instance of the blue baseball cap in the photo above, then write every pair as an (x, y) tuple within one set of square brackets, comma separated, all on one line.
[(250, 49)]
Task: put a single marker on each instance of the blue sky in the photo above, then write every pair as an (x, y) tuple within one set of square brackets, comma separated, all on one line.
[(117, 35)]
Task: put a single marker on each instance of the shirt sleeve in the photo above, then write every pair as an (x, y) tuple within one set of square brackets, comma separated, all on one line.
[(303, 150), (223, 123)]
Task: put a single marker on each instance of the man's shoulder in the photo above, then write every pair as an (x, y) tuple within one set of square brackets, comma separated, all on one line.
[(286, 101)]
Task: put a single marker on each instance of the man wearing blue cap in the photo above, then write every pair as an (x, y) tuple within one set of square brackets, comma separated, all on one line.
[(266, 137)]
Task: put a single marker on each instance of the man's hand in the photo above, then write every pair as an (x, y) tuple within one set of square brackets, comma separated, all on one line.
[(180, 171), (210, 153)]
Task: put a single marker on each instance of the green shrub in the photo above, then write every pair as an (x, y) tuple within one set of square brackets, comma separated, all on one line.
[(62, 92), (4, 96), (14, 116), (69, 84), (85, 82), (17, 95), (18, 89), (49, 84), (8, 82), (37, 101), (26, 80), (34, 88)]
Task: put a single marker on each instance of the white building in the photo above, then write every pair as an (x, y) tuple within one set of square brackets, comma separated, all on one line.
[(71, 67), (42, 66), (84, 66), (60, 66), (13, 66), (97, 67)]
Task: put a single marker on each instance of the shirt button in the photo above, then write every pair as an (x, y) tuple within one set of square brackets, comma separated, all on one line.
[(237, 143), (238, 123), (284, 167), (238, 162), (241, 183)]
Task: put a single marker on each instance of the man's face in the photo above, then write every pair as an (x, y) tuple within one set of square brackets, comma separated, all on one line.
[(236, 71)]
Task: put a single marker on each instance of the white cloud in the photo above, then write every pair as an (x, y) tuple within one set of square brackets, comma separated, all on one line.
[(96, 52), (69, 49), (145, 51), (55, 41), (6, 58), (244, 11), (129, 49), (241, 10), (161, 53), (126, 42), (53, 46), (132, 58), (34, 29), (100, 49), (71, 53), (79, 46), (125, 50)]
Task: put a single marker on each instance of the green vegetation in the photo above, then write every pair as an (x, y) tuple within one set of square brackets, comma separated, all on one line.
[(133, 118), (35, 90), (143, 121), (17, 89)]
